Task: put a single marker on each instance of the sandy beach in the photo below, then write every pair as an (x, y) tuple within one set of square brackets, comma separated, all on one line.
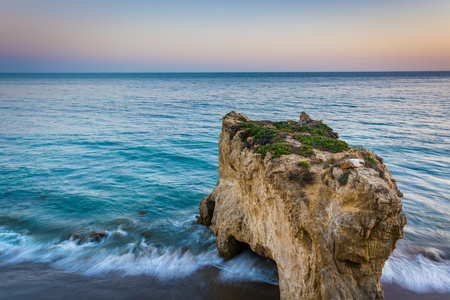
[(393, 291), (28, 280)]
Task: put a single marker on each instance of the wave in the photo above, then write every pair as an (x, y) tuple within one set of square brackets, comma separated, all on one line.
[(101, 256), (416, 270), (97, 257), (135, 259), (249, 266)]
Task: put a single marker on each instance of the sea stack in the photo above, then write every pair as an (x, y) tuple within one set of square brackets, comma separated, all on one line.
[(328, 214)]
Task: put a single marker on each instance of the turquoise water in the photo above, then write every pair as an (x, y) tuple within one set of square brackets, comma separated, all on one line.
[(83, 153)]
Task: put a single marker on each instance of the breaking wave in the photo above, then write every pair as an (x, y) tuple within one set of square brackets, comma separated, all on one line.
[(92, 257), (421, 271)]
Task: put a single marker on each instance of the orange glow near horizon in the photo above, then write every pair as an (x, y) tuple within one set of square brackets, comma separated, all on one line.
[(415, 36)]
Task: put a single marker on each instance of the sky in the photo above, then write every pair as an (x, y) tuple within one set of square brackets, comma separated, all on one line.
[(224, 36)]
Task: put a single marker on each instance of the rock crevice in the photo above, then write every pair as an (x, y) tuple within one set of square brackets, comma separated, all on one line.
[(328, 214)]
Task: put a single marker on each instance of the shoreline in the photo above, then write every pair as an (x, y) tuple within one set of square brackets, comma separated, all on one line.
[(394, 291), (25, 280)]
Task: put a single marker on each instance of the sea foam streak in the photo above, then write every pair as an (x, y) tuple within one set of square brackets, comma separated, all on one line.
[(99, 258), (417, 273), (248, 266), (140, 257)]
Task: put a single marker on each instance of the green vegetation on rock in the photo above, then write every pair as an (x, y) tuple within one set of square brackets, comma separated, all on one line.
[(323, 143), (306, 151), (260, 135), (304, 164), (318, 129), (277, 149), (343, 178), (370, 161), (282, 124), (318, 135), (285, 126), (267, 137)]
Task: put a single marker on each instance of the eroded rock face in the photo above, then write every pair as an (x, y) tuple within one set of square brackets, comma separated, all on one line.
[(329, 229)]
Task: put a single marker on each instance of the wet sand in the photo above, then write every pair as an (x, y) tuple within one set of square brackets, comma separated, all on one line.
[(393, 291), (39, 281)]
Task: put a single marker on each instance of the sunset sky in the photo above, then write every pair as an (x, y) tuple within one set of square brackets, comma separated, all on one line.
[(215, 36)]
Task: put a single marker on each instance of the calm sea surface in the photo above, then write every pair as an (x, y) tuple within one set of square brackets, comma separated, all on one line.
[(83, 153)]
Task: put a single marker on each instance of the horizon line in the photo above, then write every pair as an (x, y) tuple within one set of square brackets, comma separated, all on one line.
[(217, 72)]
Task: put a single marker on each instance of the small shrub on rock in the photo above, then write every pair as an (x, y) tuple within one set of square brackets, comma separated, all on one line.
[(343, 178), (304, 164), (277, 149)]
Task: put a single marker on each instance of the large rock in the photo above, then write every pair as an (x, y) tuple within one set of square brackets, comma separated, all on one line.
[(329, 230)]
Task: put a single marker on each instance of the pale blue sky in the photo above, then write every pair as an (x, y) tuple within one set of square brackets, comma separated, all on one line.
[(196, 36)]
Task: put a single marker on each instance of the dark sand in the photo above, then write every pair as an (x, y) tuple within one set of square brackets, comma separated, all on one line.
[(39, 281), (393, 291)]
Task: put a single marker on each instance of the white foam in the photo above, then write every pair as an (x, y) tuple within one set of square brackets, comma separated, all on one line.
[(10, 241), (139, 258), (418, 274), (249, 266), (118, 232), (164, 264), (412, 271)]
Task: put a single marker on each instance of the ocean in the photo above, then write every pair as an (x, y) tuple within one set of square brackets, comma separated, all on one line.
[(84, 153)]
